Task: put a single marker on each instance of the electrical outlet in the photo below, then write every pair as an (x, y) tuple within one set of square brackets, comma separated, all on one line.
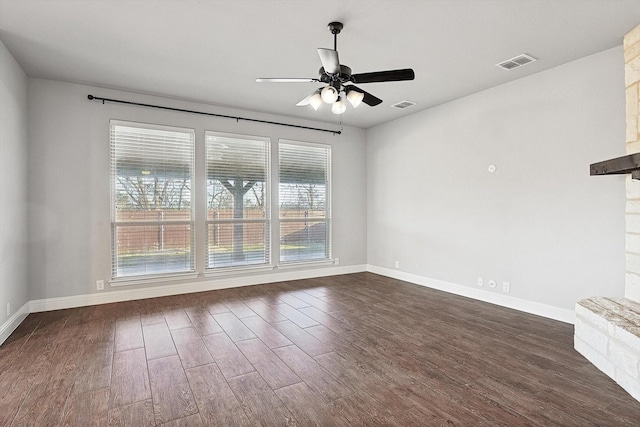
[(99, 285), (506, 287), (492, 283), (8, 309), (397, 264), (480, 281), (336, 261)]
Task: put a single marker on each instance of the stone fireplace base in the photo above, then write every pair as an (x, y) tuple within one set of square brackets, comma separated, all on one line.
[(607, 333)]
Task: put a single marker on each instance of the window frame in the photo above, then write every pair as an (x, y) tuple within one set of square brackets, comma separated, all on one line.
[(191, 271), (327, 219), (266, 220)]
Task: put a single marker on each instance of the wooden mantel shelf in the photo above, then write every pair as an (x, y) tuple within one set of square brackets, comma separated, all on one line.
[(620, 165)]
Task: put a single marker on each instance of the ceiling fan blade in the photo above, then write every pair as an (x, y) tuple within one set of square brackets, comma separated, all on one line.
[(384, 76), (368, 98), (305, 101), (329, 59), (309, 100), (285, 80), (371, 100)]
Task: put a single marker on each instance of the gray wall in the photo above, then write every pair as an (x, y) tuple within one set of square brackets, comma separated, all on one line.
[(13, 184), (540, 221), (69, 180), (418, 191)]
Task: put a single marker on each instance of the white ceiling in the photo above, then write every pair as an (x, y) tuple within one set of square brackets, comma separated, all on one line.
[(212, 50)]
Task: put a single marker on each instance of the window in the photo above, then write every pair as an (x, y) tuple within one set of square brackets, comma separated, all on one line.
[(151, 207), (304, 202), (238, 226)]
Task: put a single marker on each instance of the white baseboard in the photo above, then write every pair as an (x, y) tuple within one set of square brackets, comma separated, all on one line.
[(222, 282), (13, 322), (532, 307)]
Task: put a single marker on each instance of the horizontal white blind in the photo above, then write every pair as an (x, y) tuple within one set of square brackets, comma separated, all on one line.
[(238, 220), (151, 207), (304, 202)]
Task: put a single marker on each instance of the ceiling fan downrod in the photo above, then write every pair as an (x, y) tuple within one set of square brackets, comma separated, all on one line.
[(335, 28)]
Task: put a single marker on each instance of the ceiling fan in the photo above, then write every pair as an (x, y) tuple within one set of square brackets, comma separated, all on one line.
[(339, 80)]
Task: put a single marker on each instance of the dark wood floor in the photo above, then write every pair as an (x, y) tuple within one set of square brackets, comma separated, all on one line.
[(350, 350)]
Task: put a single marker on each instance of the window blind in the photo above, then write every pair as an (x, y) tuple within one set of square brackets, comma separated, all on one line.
[(238, 220), (304, 202), (152, 217)]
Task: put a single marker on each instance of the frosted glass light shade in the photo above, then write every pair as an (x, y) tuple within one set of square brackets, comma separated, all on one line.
[(315, 100), (329, 94), (338, 107), (355, 98)]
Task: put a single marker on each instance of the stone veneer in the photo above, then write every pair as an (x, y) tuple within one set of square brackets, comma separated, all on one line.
[(632, 214), (607, 330), (607, 333)]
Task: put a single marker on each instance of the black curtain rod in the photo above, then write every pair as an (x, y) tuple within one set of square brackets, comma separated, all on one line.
[(118, 101)]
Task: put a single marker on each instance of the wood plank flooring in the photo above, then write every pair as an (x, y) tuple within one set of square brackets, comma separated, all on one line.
[(351, 350)]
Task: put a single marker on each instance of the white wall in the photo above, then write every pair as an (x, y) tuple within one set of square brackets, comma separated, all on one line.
[(540, 221), (69, 180), (13, 185)]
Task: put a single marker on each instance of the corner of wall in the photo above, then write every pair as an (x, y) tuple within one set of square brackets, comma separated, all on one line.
[(13, 169)]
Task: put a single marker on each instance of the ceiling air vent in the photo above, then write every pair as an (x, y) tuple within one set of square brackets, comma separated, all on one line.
[(515, 62), (404, 104)]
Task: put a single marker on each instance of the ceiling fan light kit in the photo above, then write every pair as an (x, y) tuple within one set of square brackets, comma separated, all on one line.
[(340, 80)]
